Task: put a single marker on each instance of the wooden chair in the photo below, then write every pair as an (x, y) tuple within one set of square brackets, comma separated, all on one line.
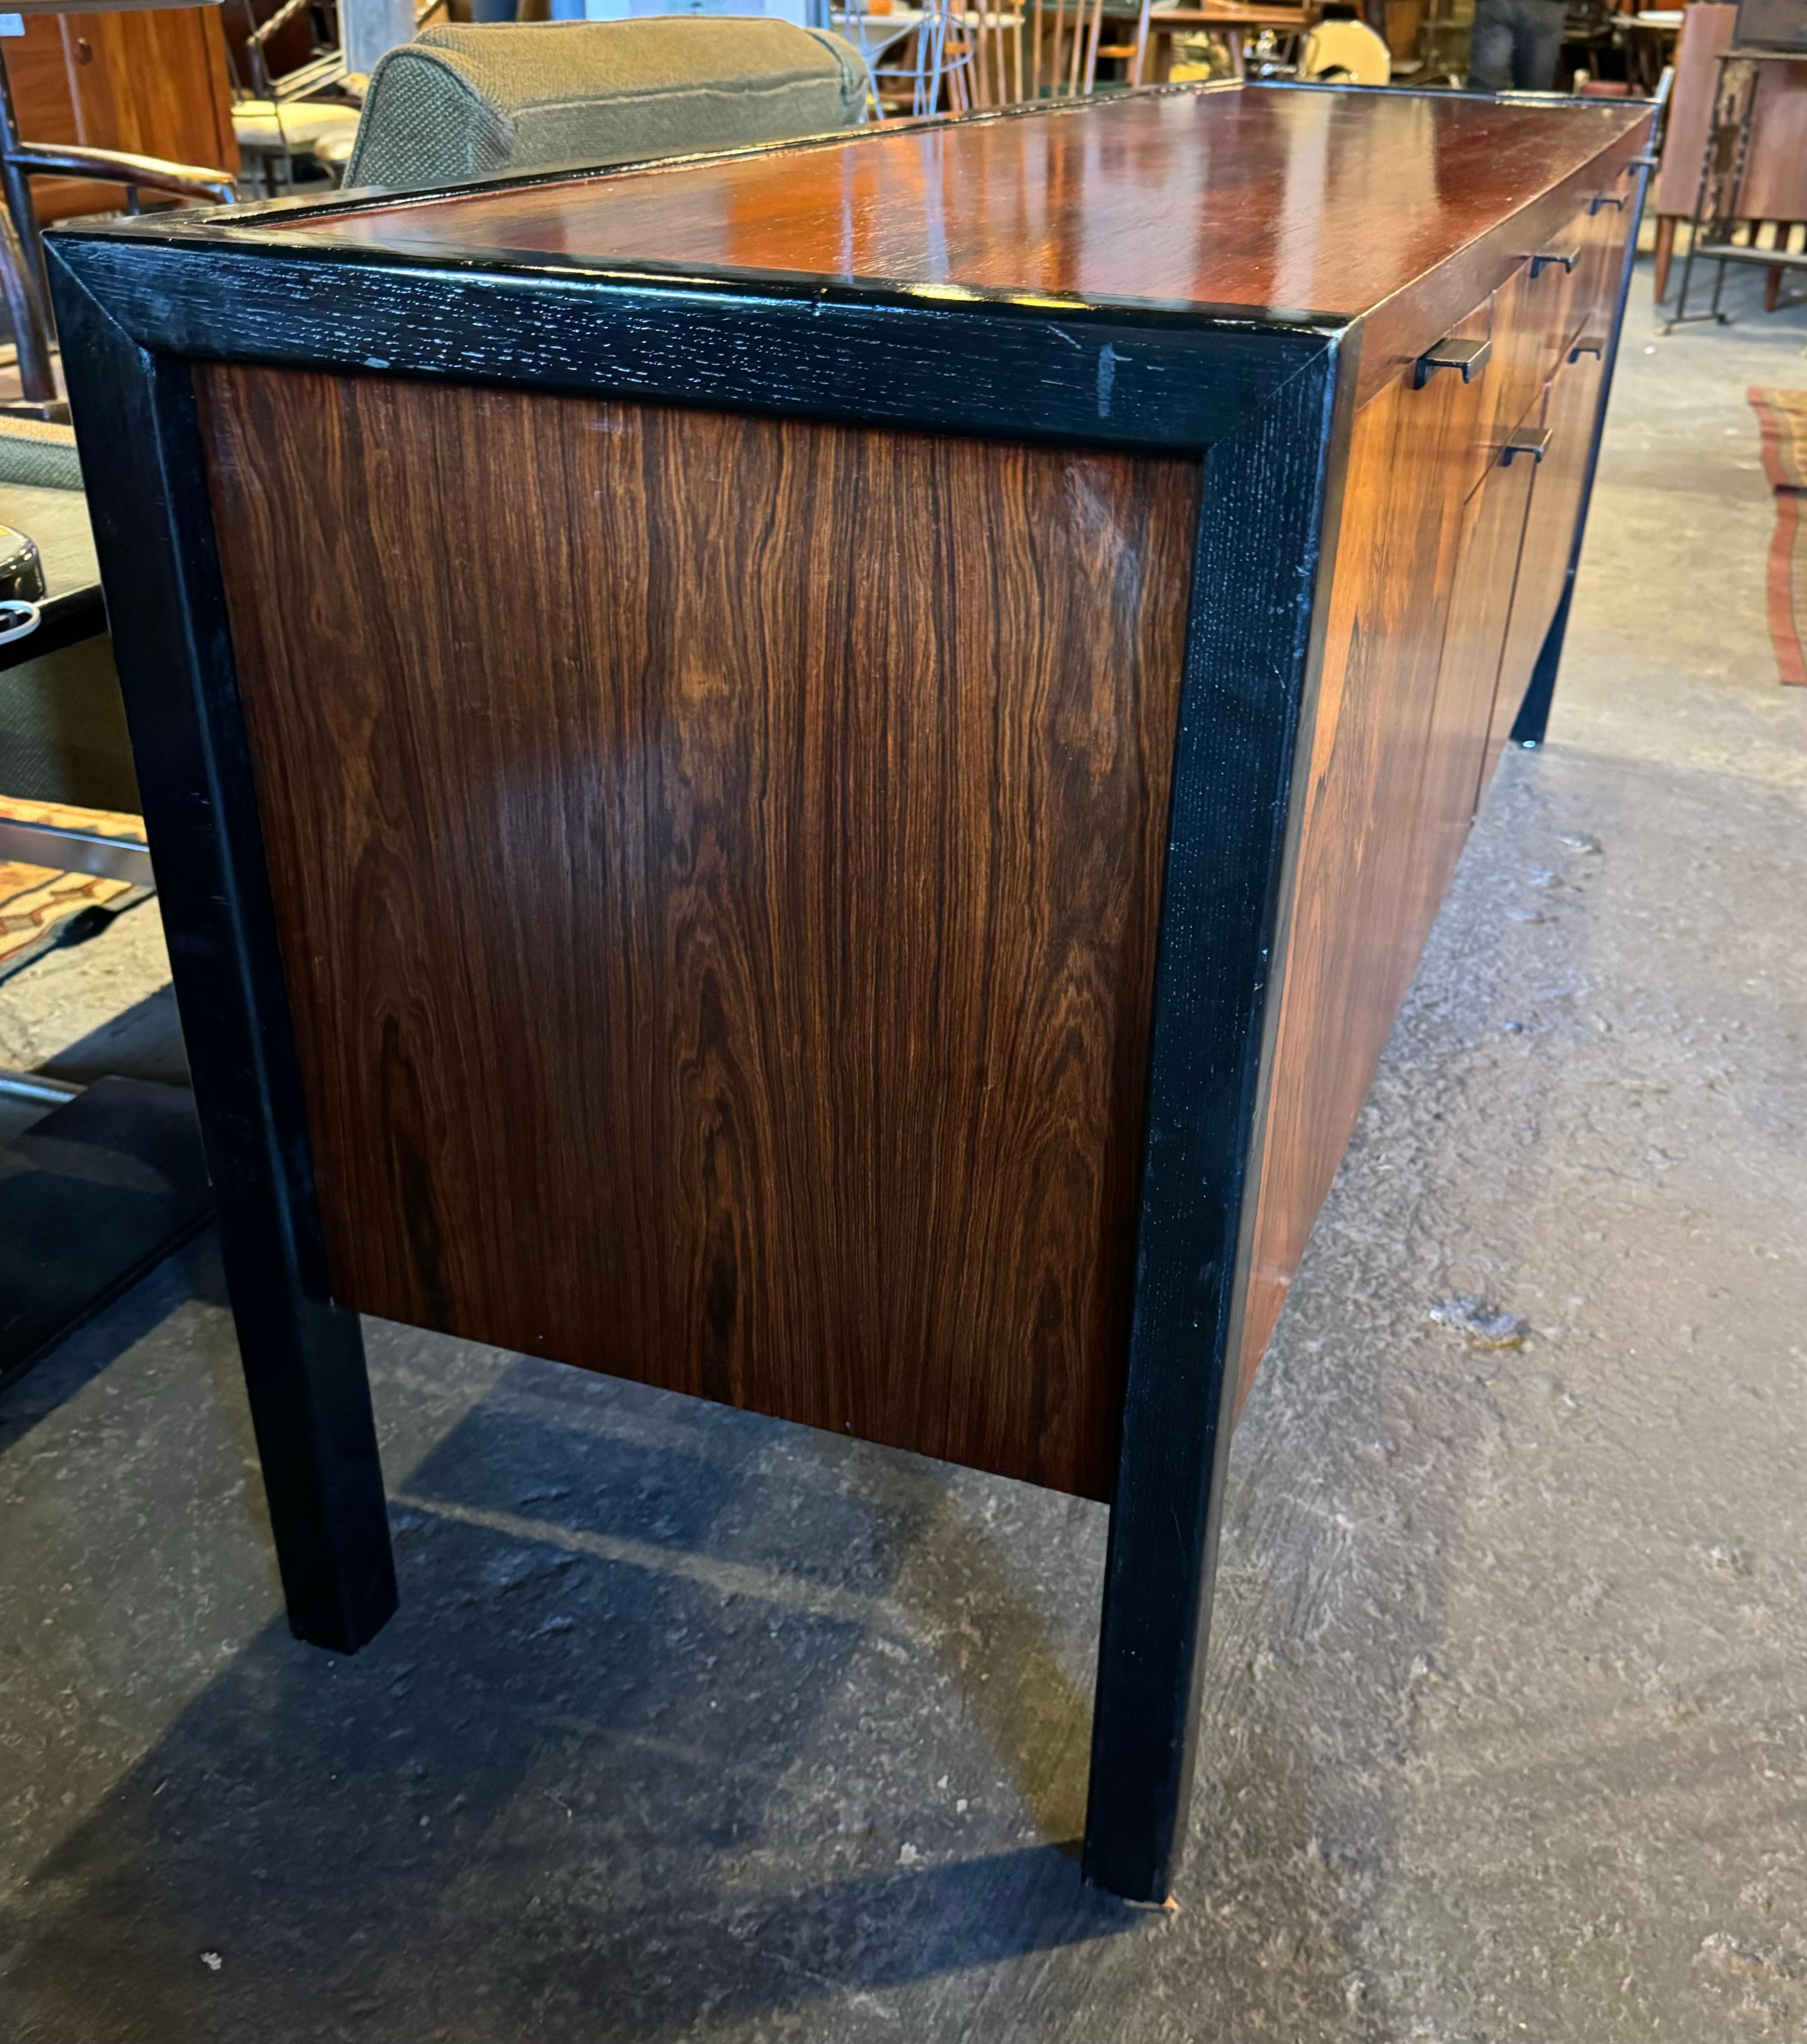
[(21, 258), (1774, 187), (992, 45), (1063, 47)]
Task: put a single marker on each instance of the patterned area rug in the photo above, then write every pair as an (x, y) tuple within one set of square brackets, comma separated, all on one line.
[(41, 907), (1782, 416)]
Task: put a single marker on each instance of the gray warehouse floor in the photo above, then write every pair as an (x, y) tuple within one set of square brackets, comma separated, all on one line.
[(695, 1726)]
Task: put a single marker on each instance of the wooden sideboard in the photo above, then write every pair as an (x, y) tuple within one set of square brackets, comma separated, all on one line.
[(873, 884)]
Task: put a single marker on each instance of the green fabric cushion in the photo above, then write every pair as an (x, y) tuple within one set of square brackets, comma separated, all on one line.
[(472, 102), (33, 452)]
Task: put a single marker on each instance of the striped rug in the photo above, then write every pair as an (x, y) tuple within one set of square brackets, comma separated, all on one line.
[(1783, 417)]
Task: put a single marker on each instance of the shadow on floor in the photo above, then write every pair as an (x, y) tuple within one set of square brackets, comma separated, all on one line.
[(614, 1770)]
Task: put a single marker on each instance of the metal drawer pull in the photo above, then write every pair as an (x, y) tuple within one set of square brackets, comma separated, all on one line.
[(1602, 200), (1532, 440), (1590, 344), (1547, 258), (1469, 356)]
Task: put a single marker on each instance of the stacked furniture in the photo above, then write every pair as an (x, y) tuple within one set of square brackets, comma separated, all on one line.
[(1772, 179), (881, 902)]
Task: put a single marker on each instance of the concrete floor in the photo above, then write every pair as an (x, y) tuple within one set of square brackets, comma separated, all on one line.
[(692, 1725)]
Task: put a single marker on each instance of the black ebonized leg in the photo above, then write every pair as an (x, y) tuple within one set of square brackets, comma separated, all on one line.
[(1533, 716), (1248, 658), (303, 1356)]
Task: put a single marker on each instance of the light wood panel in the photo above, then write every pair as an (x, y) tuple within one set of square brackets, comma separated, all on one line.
[(719, 913)]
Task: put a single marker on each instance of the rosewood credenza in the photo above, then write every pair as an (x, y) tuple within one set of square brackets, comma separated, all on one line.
[(814, 776)]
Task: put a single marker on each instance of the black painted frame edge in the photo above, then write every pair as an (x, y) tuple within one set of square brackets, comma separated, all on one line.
[(303, 1356), (1533, 715), (1129, 376), (1265, 546)]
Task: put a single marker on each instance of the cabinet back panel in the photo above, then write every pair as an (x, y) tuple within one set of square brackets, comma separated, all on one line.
[(717, 863)]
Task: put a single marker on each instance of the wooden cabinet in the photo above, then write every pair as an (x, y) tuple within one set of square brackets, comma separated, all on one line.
[(880, 900), (152, 83)]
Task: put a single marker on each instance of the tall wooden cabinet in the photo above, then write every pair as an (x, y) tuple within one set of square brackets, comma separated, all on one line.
[(152, 82), (878, 896)]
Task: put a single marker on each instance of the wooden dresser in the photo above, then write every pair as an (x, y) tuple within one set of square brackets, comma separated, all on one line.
[(814, 777)]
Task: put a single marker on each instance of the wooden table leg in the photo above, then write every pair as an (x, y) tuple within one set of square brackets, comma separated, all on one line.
[(23, 256), (1665, 253)]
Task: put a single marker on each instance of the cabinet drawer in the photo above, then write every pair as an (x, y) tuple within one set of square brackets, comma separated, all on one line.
[(1593, 289), (1567, 417), (1531, 323), (1474, 639), (1507, 386)]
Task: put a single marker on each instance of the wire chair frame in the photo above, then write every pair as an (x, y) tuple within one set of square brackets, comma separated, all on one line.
[(938, 58)]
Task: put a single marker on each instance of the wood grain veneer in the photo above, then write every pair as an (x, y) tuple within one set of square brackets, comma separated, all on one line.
[(1244, 198), (719, 905), (1360, 898), (1570, 406)]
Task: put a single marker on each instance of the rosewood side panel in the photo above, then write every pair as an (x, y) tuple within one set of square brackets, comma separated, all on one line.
[(721, 932)]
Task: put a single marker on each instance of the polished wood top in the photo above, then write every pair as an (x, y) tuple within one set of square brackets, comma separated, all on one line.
[(1305, 199)]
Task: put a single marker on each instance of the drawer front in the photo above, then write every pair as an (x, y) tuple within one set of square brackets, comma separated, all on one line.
[(1566, 291), (1503, 391), (1538, 305), (1563, 294), (1474, 639), (1593, 289), (1567, 417)]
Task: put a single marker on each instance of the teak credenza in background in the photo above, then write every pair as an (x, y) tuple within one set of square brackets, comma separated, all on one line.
[(874, 884)]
